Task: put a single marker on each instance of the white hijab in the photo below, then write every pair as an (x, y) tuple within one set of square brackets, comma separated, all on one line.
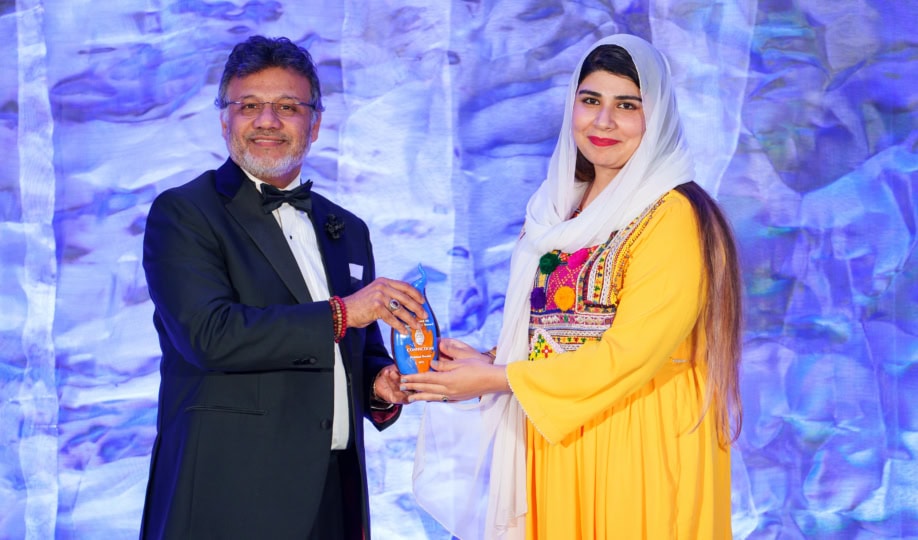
[(660, 163)]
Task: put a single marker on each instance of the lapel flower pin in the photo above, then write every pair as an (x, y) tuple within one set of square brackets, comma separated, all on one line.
[(333, 226)]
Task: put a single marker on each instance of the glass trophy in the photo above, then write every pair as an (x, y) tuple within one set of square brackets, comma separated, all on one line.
[(415, 351)]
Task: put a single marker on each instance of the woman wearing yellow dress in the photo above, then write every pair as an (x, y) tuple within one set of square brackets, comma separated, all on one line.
[(613, 398)]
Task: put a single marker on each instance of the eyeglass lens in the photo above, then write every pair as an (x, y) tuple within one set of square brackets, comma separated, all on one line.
[(281, 108)]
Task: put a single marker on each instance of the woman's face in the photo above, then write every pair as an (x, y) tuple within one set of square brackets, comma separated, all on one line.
[(608, 121)]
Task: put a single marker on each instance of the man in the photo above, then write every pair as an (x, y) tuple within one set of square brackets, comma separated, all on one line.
[(266, 310)]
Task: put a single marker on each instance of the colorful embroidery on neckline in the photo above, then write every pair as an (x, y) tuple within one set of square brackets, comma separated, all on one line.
[(556, 283), (575, 295)]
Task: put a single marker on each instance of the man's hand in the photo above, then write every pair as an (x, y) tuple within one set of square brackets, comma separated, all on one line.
[(375, 301), (386, 385)]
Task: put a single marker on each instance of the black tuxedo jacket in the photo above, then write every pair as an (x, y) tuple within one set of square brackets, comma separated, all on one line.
[(246, 397)]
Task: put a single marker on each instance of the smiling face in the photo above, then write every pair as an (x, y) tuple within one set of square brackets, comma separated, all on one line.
[(607, 122), (267, 146)]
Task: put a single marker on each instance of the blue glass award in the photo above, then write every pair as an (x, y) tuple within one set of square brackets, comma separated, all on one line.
[(415, 351)]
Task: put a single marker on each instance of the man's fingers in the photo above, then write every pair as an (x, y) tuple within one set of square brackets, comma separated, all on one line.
[(405, 307), (409, 300), (388, 383), (397, 303), (406, 289), (393, 302)]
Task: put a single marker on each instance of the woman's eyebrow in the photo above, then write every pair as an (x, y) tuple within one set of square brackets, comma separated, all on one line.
[(597, 94)]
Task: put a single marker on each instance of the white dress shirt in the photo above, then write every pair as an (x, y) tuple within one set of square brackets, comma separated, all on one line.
[(301, 237)]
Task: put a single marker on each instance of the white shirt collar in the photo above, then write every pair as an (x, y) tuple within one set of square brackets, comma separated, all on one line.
[(258, 182)]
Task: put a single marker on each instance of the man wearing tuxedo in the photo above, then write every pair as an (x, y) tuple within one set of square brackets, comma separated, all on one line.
[(267, 308)]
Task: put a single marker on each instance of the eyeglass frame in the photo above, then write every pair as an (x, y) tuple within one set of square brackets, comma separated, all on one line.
[(314, 106)]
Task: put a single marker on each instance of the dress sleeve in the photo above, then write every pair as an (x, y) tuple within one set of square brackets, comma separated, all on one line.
[(659, 304)]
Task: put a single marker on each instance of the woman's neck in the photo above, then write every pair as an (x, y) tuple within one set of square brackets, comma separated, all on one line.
[(599, 183)]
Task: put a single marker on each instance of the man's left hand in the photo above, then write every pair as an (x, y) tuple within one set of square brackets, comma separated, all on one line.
[(387, 385)]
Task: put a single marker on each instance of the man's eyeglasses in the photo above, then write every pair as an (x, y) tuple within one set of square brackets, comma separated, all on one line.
[(283, 109)]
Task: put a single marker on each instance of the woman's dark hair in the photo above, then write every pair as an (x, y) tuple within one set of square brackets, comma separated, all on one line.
[(258, 53), (722, 314), (615, 60)]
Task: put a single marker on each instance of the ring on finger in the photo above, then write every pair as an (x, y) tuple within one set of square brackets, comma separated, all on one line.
[(444, 399), (394, 305)]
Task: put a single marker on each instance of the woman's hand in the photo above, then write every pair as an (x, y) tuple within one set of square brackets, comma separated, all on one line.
[(462, 373), (453, 348)]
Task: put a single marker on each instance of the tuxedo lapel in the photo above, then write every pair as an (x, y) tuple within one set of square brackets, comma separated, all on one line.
[(333, 250), (245, 207), (337, 271)]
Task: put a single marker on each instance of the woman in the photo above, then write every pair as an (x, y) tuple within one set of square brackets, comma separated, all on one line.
[(624, 297)]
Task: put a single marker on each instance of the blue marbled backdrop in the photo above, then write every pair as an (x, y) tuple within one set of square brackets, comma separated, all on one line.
[(441, 116)]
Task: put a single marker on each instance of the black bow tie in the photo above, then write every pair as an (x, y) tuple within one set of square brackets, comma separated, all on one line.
[(298, 197)]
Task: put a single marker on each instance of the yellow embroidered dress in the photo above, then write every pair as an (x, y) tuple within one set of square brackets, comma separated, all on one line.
[(615, 385)]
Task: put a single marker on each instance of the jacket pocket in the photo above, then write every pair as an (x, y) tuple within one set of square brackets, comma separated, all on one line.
[(225, 409)]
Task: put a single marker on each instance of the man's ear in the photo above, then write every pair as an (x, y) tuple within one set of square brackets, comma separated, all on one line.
[(224, 126), (315, 126)]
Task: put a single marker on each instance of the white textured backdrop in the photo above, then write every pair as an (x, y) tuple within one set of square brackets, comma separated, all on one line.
[(441, 116)]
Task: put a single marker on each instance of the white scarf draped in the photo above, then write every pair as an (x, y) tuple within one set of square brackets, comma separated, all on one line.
[(660, 163)]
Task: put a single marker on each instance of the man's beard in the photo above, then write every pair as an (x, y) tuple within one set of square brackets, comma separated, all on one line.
[(265, 168)]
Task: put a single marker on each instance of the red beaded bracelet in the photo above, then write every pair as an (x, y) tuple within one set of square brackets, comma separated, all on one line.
[(339, 317), (337, 323), (343, 316)]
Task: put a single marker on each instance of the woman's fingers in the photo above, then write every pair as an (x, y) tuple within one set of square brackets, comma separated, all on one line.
[(428, 386), (464, 378), (455, 348)]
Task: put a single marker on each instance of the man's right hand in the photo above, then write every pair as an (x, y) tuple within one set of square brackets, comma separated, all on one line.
[(375, 301)]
